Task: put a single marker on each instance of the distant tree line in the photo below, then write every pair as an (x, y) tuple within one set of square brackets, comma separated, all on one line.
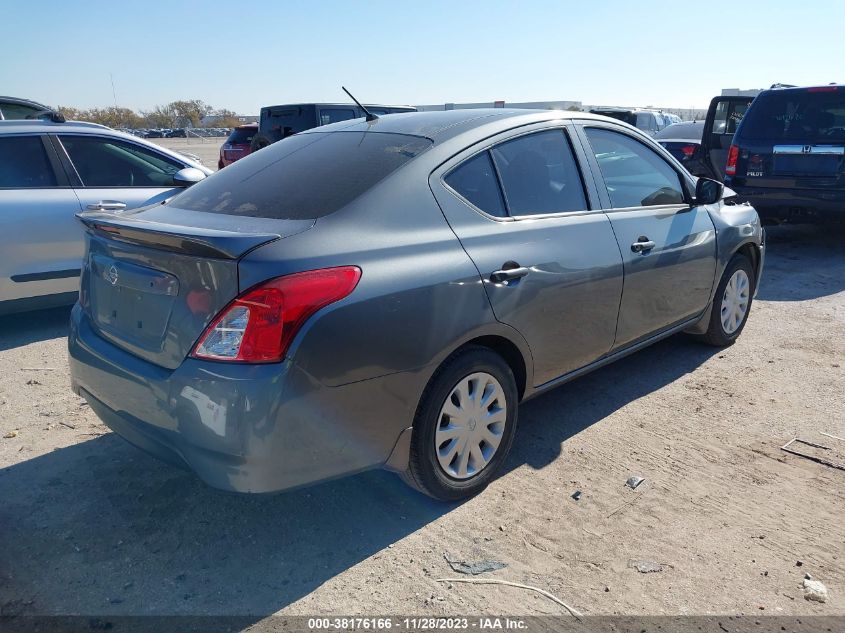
[(175, 114)]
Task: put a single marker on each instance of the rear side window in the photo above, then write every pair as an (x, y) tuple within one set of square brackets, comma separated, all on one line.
[(475, 179), (24, 163), (816, 116), (242, 135), (302, 177), (635, 175), (539, 174)]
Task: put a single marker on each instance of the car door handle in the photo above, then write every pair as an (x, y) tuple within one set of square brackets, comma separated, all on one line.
[(107, 205), (509, 274), (642, 245)]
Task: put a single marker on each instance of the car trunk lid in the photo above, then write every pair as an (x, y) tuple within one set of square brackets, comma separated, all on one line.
[(152, 281)]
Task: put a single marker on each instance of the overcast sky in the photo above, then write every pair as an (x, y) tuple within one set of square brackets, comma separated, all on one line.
[(666, 53)]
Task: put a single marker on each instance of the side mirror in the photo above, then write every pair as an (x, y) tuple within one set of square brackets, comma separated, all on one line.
[(708, 191), (187, 177)]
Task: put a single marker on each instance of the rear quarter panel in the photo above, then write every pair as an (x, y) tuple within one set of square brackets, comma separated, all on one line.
[(419, 295)]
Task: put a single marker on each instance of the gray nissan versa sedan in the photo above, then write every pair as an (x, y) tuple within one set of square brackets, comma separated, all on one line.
[(384, 293)]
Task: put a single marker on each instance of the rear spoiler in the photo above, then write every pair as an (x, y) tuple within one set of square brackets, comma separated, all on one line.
[(188, 240)]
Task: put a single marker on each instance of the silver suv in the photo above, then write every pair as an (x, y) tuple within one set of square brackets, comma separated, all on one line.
[(51, 171)]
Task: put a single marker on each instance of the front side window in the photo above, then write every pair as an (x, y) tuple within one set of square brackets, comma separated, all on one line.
[(539, 174), (24, 163), (635, 175), (104, 162), (475, 179), (333, 115)]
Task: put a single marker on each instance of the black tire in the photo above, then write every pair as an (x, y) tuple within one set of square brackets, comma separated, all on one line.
[(424, 471), (716, 334)]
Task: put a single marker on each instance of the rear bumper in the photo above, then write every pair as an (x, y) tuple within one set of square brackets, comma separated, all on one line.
[(783, 204), (242, 428)]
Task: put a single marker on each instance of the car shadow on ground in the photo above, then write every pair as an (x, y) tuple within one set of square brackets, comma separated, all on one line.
[(803, 261), (547, 421), (100, 528), (17, 330)]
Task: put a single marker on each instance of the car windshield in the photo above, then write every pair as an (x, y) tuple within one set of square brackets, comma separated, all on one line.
[(798, 115), (304, 176)]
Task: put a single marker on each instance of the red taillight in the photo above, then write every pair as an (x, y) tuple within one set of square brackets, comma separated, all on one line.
[(259, 325), (688, 151), (822, 89), (733, 156)]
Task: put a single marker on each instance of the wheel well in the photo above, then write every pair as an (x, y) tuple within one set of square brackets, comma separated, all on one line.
[(509, 352), (752, 253)]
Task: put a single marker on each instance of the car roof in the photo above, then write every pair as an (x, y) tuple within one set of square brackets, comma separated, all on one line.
[(339, 105), (33, 126), (442, 125), (821, 88)]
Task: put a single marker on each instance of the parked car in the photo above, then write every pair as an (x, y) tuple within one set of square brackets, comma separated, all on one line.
[(238, 145), (383, 294), (12, 108), (649, 121), (683, 141), (51, 171), (784, 152), (154, 134), (178, 133), (281, 121)]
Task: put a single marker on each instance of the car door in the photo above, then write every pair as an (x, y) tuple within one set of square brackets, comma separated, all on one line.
[(542, 245), (723, 117), (40, 240), (668, 246), (113, 174)]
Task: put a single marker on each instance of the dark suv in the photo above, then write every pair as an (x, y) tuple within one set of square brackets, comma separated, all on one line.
[(787, 155), (281, 121)]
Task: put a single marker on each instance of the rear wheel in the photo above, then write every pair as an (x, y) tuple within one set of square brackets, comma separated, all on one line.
[(464, 426), (732, 303)]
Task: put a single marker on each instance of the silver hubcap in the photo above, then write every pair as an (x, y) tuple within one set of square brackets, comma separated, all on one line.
[(735, 301), (470, 426)]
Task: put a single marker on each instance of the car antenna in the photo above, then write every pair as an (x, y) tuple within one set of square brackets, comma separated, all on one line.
[(370, 116)]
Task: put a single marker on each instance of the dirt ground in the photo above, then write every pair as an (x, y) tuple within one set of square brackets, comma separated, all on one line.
[(208, 149), (91, 525)]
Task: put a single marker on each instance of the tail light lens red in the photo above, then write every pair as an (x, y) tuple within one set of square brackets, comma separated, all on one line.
[(260, 324), (688, 150), (733, 156)]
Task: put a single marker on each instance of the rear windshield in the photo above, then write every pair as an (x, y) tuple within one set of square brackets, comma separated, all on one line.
[(304, 176), (797, 115), (687, 130), (242, 135)]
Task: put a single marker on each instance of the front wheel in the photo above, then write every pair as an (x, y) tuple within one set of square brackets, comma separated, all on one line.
[(732, 303), (464, 426)]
